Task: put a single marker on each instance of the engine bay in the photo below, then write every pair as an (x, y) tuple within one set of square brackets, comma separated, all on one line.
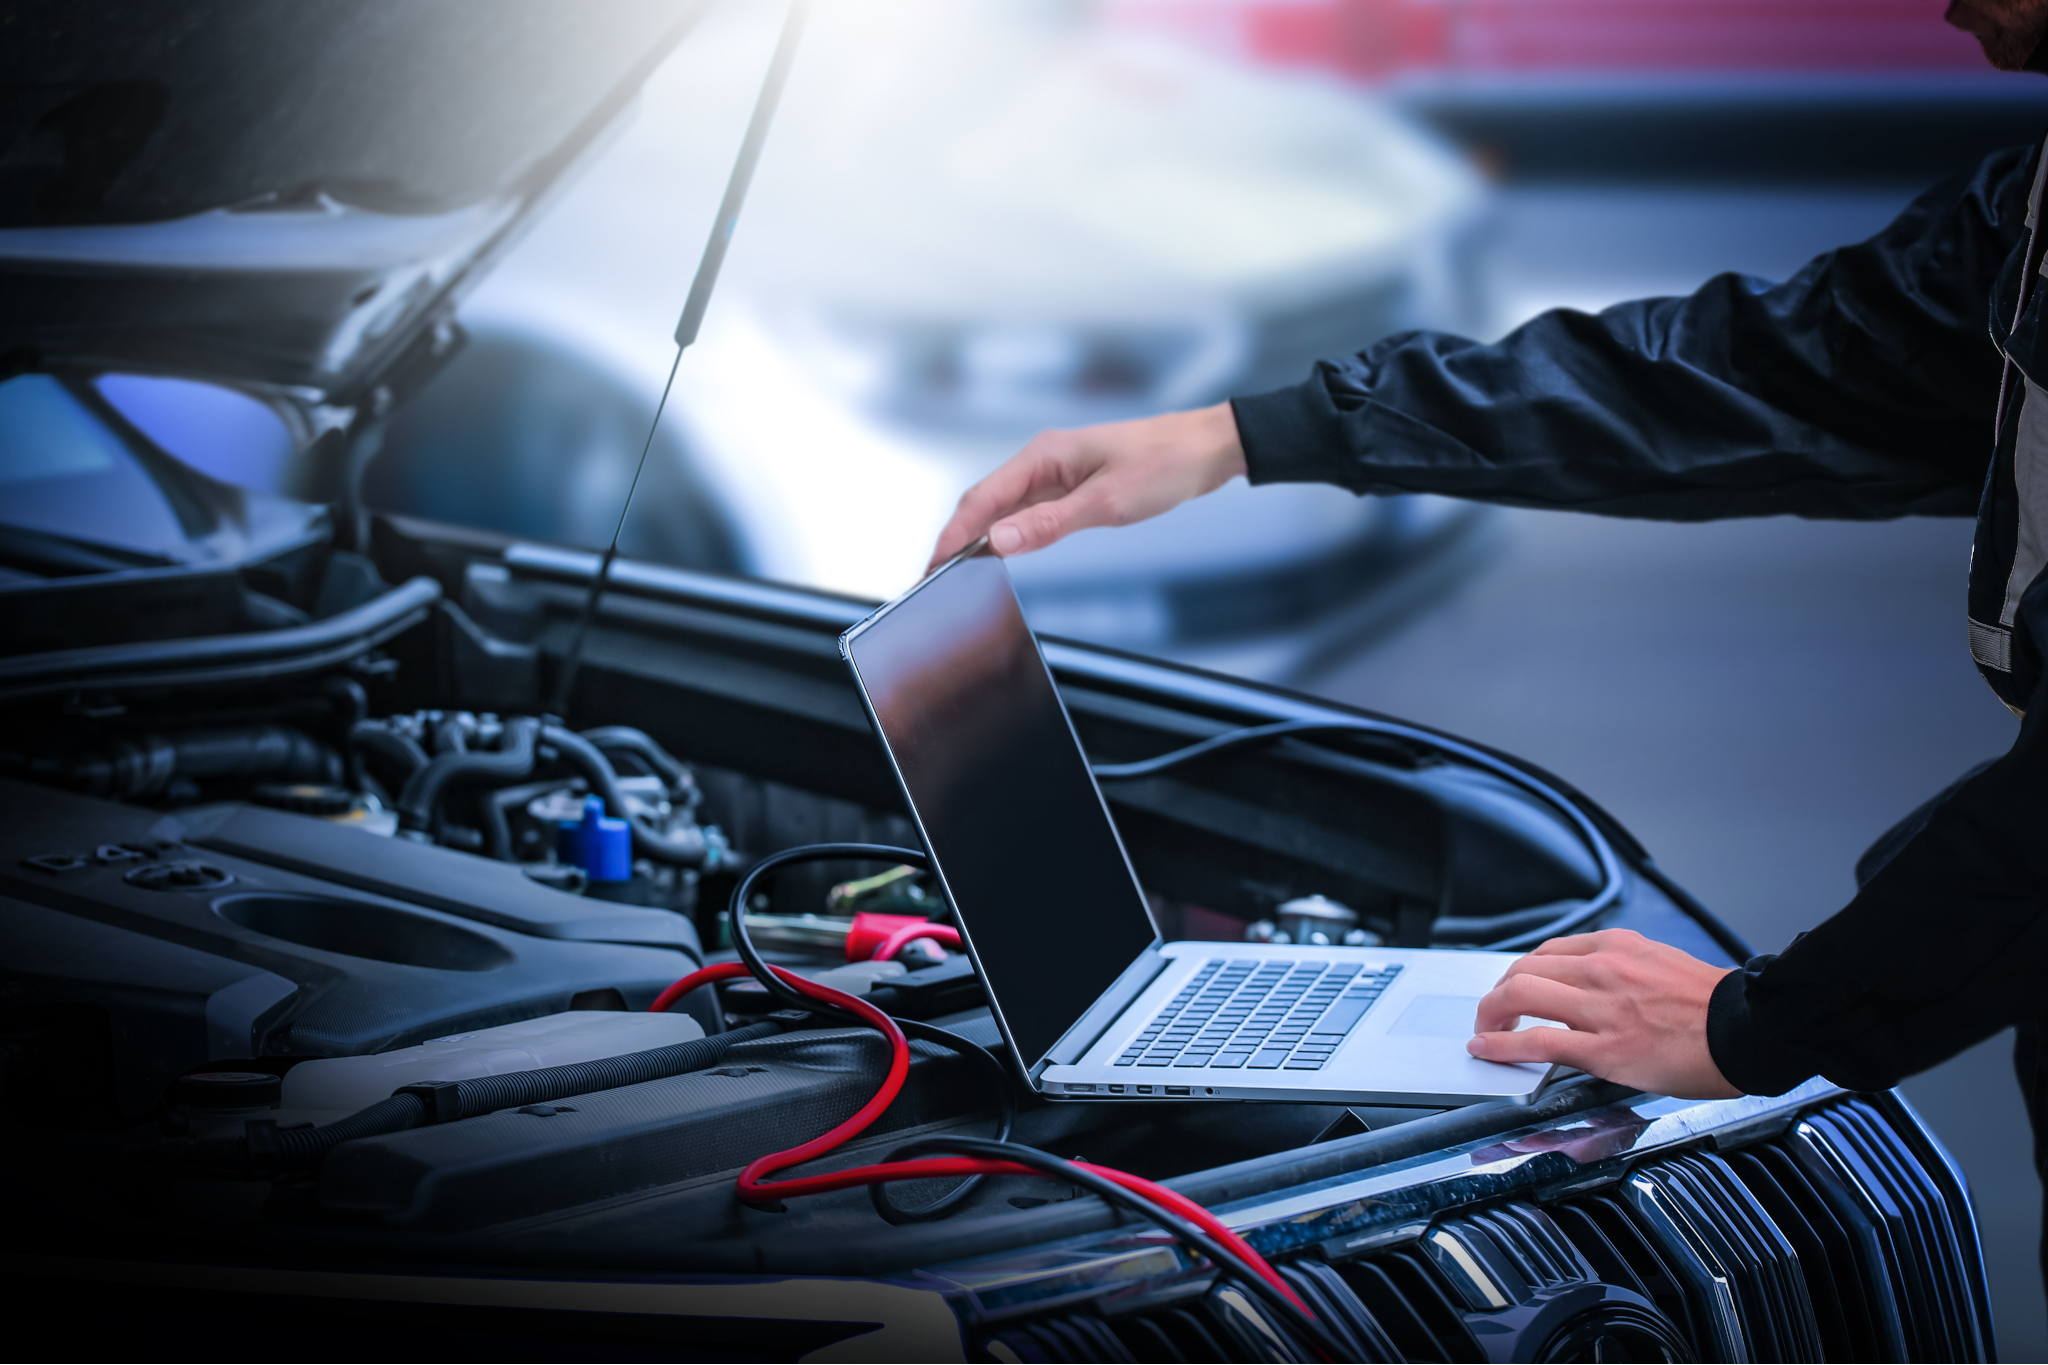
[(348, 861), (338, 949)]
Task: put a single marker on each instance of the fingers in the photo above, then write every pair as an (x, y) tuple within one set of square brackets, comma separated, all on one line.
[(1612, 961), (1635, 1012), (1110, 475), (1029, 508), (1548, 1045), (1587, 973), (1582, 945), (1031, 475), (1540, 996), (1042, 524)]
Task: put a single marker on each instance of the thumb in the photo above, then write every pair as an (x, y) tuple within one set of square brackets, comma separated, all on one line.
[(1006, 538), (1536, 1045), (1034, 528)]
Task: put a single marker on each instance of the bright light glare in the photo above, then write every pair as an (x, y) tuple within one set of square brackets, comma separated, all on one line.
[(831, 501)]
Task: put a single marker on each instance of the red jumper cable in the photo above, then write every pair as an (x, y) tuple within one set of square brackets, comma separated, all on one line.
[(753, 1188)]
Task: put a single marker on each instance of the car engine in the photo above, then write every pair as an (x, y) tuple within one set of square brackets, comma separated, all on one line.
[(265, 889)]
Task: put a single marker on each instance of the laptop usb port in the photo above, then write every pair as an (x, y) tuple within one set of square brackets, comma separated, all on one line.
[(1176, 1090)]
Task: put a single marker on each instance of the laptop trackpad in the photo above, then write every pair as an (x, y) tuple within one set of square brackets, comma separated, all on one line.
[(1437, 1016)]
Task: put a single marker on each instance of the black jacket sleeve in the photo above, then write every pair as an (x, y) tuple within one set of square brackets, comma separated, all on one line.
[(1861, 388), (1943, 947)]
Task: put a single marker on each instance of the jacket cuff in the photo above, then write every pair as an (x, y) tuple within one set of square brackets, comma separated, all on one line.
[(1288, 437), (1749, 1059)]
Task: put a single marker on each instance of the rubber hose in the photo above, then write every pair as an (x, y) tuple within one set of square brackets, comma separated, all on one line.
[(597, 770), (641, 745), (454, 1100), (580, 754), (351, 706), (402, 751), (272, 751), (498, 829), (511, 760), (452, 733), (145, 764)]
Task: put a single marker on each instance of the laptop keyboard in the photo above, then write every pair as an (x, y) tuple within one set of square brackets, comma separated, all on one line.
[(1259, 1015)]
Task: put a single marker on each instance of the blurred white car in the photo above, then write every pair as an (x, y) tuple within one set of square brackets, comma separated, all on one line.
[(976, 222)]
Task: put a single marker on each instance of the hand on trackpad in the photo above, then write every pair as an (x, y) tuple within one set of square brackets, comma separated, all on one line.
[(1448, 1016)]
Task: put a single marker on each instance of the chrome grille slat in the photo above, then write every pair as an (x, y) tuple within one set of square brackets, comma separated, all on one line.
[(1933, 1230), (1253, 1330), (1776, 1261), (1846, 1235), (1390, 1305), (1826, 1257), (1938, 1302), (1566, 1262), (1945, 1177), (1322, 1289), (1863, 1195), (1205, 1346), (1709, 1283), (1666, 1289)]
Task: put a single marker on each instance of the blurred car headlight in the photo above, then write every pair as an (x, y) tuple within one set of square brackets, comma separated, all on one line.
[(1023, 375)]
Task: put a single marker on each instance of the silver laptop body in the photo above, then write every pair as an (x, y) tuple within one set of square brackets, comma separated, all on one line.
[(1090, 1000)]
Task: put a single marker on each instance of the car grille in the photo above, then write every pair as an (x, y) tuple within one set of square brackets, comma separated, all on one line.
[(1847, 1237)]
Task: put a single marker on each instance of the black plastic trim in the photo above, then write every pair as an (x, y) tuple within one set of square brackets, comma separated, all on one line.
[(223, 658)]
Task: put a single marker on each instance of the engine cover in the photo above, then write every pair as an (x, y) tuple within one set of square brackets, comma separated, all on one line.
[(140, 947)]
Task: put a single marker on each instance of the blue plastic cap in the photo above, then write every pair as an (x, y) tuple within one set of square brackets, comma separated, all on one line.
[(601, 846)]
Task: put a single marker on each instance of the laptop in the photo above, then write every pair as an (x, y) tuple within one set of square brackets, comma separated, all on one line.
[(1092, 1003)]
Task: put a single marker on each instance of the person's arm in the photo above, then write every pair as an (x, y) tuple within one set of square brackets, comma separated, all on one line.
[(1862, 387), (1943, 947)]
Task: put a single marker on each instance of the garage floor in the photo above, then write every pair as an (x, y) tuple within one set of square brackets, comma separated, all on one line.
[(1756, 700)]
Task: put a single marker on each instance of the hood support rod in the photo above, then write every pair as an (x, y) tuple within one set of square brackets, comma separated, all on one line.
[(701, 286)]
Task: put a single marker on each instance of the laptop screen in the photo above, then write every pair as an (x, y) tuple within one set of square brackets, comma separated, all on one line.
[(999, 784)]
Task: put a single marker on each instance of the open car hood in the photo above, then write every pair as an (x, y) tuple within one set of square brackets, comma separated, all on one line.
[(285, 196)]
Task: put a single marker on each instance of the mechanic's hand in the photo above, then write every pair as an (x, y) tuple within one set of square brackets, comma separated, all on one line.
[(1635, 1013), (1111, 475)]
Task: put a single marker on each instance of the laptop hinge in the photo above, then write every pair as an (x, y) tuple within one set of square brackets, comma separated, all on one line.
[(1075, 1042)]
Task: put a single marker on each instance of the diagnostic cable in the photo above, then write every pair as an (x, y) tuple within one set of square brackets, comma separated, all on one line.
[(1610, 866), (1200, 1231), (790, 998)]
